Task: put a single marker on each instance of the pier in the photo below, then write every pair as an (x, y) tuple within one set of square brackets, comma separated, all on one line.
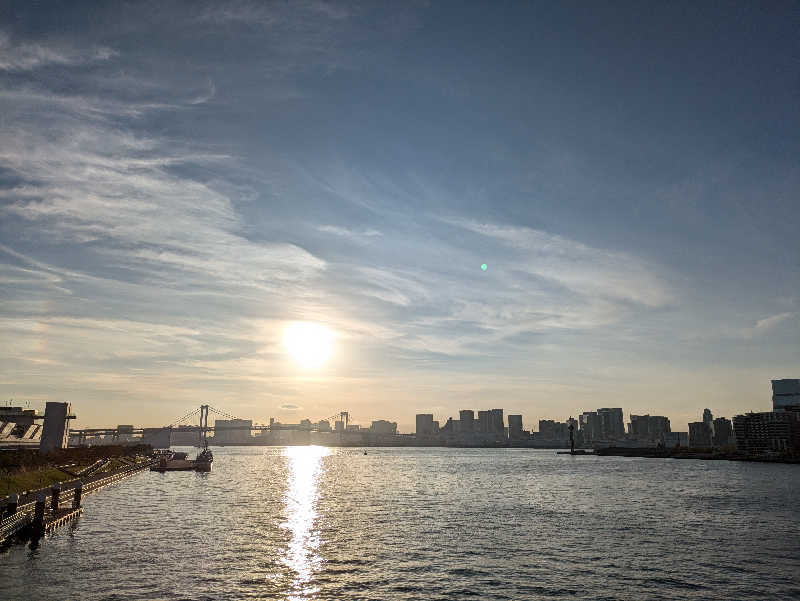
[(40, 512)]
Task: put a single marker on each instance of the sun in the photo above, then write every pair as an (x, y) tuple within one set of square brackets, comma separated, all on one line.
[(309, 344)]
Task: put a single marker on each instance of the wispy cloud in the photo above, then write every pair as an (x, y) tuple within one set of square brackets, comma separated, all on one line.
[(26, 56), (768, 323), (584, 269), (351, 234)]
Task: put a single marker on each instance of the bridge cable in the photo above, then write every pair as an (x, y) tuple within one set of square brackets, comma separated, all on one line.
[(223, 413), (183, 417)]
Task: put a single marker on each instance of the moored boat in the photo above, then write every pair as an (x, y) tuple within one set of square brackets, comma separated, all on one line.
[(177, 462)]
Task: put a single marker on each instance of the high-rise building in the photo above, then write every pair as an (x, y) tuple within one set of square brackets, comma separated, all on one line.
[(785, 394), (723, 432), (612, 425), (496, 423), (589, 426), (466, 418), (638, 426), (483, 421), (424, 424), (515, 426), (649, 428), (324, 425), (708, 420), (700, 435), (767, 432), (553, 430)]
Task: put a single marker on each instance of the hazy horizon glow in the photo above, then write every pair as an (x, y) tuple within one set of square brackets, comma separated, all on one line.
[(547, 208)]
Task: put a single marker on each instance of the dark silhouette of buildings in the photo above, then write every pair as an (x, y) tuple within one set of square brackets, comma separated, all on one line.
[(425, 424), (648, 428), (700, 435), (768, 432), (723, 433)]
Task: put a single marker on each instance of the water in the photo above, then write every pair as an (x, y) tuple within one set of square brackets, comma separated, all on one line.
[(314, 523)]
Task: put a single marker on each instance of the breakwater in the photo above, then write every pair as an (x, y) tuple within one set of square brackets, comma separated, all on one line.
[(662, 453)]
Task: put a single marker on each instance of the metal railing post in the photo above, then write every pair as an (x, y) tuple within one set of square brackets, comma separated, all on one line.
[(13, 504), (76, 500), (55, 491), (38, 512)]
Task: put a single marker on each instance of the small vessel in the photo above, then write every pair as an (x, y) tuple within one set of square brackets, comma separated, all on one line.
[(177, 462), (204, 459)]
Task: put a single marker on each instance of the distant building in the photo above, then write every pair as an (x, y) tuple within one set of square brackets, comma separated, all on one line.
[(382, 426), (768, 432), (785, 394), (338, 426), (700, 435), (19, 428), (324, 425), (233, 431), (158, 438), (515, 427), (483, 422), (496, 423), (648, 428), (551, 430), (612, 424), (425, 424), (184, 436), (124, 433), (589, 426), (466, 418), (723, 432), (708, 420), (675, 439)]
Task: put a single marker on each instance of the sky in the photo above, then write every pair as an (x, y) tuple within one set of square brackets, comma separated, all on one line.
[(181, 181)]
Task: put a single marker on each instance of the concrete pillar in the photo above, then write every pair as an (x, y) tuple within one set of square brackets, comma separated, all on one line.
[(55, 433), (38, 512), (13, 503), (55, 491), (76, 500)]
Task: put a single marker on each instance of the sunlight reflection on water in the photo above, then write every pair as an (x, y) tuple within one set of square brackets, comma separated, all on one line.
[(305, 467)]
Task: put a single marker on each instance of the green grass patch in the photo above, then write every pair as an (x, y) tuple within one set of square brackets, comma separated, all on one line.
[(31, 480)]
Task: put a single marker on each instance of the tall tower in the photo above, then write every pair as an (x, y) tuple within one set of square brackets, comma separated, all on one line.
[(55, 434)]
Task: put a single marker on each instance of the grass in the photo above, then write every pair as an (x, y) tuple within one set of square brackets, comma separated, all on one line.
[(26, 470), (31, 480)]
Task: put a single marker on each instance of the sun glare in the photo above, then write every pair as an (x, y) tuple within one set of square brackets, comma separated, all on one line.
[(309, 344)]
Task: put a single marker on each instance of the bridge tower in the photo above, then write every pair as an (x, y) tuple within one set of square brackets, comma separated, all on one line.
[(203, 423)]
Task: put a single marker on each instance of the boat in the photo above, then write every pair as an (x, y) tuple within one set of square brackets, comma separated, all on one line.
[(177, 462)]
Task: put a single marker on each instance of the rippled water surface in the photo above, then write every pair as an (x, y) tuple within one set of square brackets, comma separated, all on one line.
[(317, 523)]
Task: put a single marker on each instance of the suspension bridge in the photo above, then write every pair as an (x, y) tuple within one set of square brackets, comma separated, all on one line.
[(183, 424)]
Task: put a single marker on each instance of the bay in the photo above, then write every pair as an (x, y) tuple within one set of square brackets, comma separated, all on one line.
[(426, 523)]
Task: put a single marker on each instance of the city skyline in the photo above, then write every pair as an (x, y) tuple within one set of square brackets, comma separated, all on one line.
[(397, 208)]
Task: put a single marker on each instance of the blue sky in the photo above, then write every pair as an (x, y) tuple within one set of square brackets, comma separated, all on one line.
[(179, 181)]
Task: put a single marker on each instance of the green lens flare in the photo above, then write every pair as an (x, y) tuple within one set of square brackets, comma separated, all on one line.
[(484, 267)]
